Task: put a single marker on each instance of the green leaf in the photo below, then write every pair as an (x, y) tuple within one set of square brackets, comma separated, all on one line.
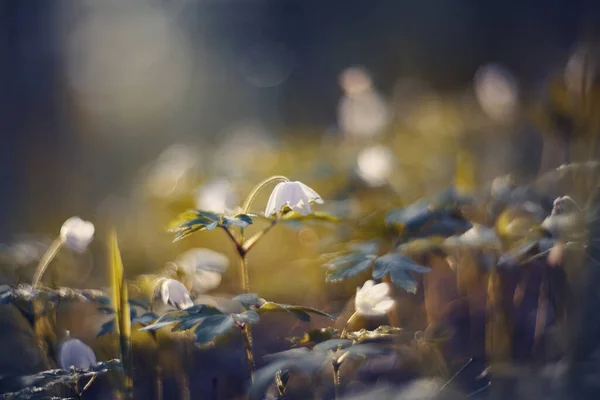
[(198, 311), (332, 345), (348, 265), (302, 313), (364, 350), (382, 332), (249, 300), (314, 336), (145, 319), (241, 220), (193, 221), (247, 317), (398, 266), (107, 327), (412, 217), (212, 327), (316, 216)]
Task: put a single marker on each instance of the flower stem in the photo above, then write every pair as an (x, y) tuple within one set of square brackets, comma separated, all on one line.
[(258, 187), (336, 379), (350, 320), (247, 334), (244, 273), (45, 261)]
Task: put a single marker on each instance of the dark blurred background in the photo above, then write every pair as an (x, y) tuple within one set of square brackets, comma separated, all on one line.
[(93, 90)]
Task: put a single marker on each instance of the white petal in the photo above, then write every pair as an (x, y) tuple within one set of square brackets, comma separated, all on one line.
[(300, 202), (74, 352), (274, 204), (205, 281), (310, 193), (368, 284), (77, 234), (379, 291), (384, 306)]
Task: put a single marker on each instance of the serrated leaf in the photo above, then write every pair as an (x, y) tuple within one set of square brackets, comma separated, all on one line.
[(332, 345), (368, 247), (398, 266), (348, 265), (300, 312), (145, 319), (212, 327), (381, 332), (364, 350), (197, 311), (240, 220), (315, 216), (412, 217), (247, 317), (249, 300), (349, 271), (421, 245), (314, 336), (107, 327)]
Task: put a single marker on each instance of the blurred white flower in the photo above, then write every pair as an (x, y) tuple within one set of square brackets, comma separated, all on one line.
[(203, 267), (497, 92), (566, 220), (217, 196), (295, 195), (581, 68), (373, 299), (375, 164), (478, 236), (77, 234), (170, 174), (362, 112), (175, 294), (73, 352)]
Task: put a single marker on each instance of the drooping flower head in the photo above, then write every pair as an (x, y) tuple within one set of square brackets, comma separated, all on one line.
[(73, 352), (373, 299), (77, 234), (293, 195), (174, 293)]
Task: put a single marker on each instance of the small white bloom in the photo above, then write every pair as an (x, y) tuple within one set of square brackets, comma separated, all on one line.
[(375, 165), (174, 293), (373, 299), (204, 267), (295, 195), (478, 236), (497, 92), (77, 234), (217, 196), (73, 352)]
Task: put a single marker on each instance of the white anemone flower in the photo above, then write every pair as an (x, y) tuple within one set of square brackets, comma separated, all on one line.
[(74, 353), (204, 267), (175, 294), (373, 299), (77, 234), (217, 196), (478, 236), (375, 164), (294, 195)]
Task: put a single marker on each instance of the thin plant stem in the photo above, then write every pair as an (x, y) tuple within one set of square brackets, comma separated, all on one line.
[(336, 379), (258, 187), (37, 304), (350, 320), (247, 334), (457, 373), (45, 261)]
